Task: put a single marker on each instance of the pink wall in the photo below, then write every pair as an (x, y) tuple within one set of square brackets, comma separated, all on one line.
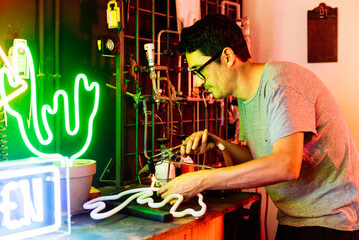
[(279, 32)]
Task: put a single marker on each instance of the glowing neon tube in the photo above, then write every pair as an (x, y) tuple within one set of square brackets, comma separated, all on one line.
[(22, 82), (14, 81), (143, 196)]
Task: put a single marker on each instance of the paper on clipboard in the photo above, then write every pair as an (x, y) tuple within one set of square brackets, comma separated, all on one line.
[(188, 11)]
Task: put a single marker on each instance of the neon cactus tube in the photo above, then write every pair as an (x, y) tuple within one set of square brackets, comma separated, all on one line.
[(10, 72)]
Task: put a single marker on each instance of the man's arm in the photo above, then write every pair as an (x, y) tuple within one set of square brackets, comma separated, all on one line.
[(283, 164)]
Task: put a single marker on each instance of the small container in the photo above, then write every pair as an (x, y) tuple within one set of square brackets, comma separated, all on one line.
[(161, 172)]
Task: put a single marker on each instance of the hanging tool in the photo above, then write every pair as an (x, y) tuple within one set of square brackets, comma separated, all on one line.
[(113, 15)]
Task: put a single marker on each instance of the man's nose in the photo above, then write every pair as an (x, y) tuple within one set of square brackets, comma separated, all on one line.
[(199, 81)]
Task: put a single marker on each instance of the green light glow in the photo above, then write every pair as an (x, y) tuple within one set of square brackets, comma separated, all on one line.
[(14, 81)]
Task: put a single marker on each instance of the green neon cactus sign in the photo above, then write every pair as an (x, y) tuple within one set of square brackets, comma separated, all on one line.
[(11, 73)]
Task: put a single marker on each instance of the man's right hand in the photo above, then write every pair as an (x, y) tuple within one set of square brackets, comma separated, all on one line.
[(198, 143)]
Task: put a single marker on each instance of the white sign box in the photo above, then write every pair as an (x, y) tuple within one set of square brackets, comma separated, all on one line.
[(30, 201)]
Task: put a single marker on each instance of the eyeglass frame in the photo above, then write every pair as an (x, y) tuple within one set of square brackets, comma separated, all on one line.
[(197, 71)]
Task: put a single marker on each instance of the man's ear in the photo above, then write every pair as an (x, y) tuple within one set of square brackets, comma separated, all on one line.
[(229, 56)]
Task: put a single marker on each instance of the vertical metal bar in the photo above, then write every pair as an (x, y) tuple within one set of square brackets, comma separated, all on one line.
[(180, 109), (168, 122), (168, 28), (167, 75), (137, 81), (119, 112), (57, 74), (226, 118), (41, 76), (206, 116), (153, 21), (153, 104), (198, 116), (216, 117), (194, 118), (120, 106), (57, 37), (41, 36), (206, 2)]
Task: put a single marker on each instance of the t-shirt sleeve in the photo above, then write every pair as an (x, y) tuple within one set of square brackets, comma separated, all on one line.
[(289, 112)]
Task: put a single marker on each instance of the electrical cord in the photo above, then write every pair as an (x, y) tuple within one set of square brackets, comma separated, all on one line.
[(143, 196)]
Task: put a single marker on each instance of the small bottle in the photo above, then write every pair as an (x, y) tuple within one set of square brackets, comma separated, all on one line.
[(161, 172)]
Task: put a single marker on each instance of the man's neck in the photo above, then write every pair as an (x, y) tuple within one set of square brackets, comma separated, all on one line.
[(248, 79)]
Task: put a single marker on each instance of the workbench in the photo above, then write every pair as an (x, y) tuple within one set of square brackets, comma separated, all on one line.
[(231, 215)]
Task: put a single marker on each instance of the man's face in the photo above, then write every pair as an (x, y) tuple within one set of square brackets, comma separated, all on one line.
[(213, 79)]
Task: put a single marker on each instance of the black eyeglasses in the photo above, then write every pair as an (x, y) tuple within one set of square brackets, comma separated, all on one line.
[(197, 71)]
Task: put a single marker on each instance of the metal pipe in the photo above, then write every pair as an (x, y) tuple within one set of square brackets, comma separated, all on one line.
[(158, 51), (198, 116), (137, 88), (168, 19), (179, 75), (206, 116), (139, 38), (119, 113), (41, 37), (168, 123), (198, 129), (168, 42), (194, 119), (229, 3), (119, 122), (41, 75), (216, 119), (226, 118), (57, 75), (189, 83), (120, 108), (206, 3), (153, 104), (145, 129), (57, 37), (170, 110), (179, 106)]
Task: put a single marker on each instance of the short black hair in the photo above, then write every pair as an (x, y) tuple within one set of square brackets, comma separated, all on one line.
[(212, 34)]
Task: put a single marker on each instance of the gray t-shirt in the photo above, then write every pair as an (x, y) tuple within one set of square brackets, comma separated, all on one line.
[(291, 99)]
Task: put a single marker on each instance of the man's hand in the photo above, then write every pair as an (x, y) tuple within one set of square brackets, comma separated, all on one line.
[(188, 185), (198, 143)]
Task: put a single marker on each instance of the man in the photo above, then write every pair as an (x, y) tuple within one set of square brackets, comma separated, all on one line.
[(298, 143)]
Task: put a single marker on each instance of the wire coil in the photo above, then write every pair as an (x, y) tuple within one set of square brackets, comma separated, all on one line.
[(3, 142)]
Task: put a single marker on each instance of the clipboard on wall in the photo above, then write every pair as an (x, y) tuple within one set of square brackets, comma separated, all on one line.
[(322, 34)]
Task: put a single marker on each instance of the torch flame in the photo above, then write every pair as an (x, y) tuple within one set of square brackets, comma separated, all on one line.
[(154, 180)]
